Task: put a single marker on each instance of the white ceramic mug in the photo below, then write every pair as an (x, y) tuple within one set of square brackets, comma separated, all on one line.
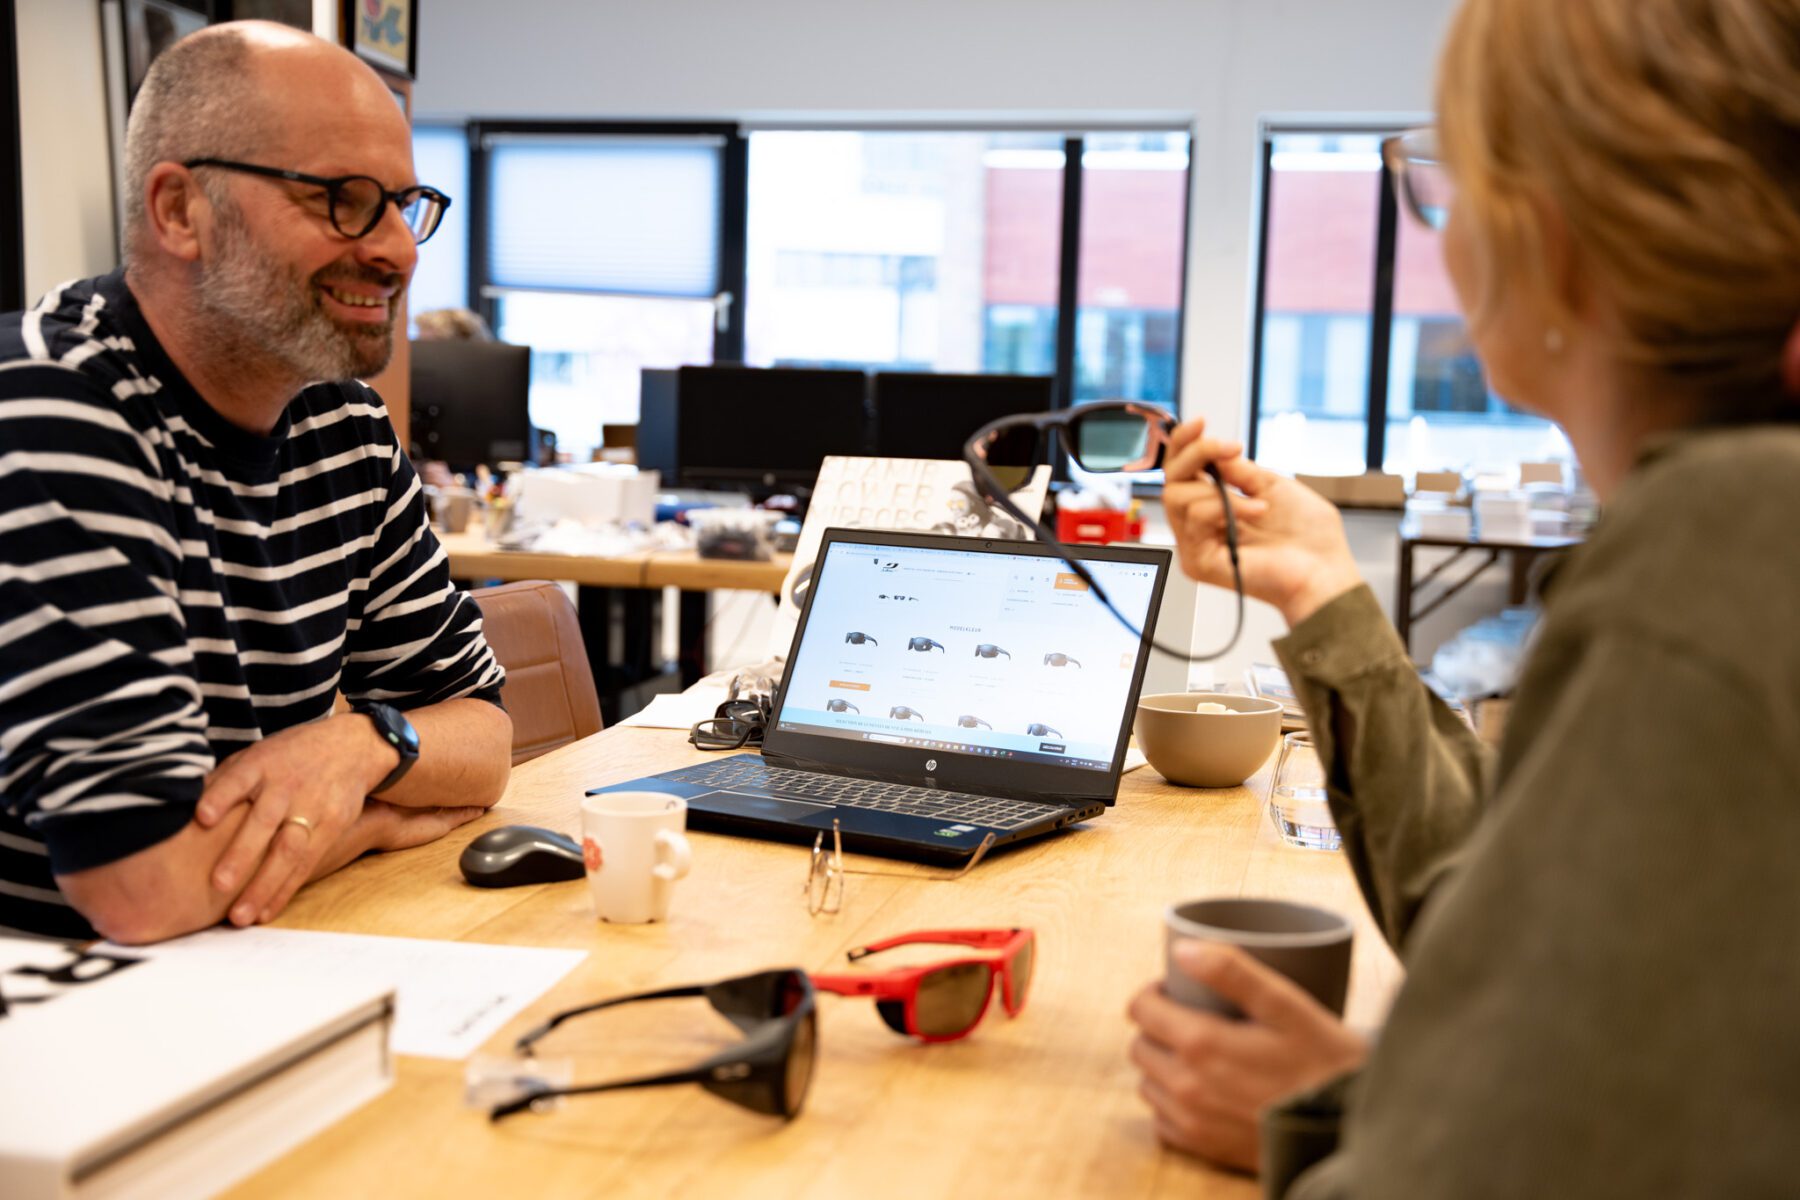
[(635, 851)]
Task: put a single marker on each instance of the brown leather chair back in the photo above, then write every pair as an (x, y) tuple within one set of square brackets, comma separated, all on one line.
[(549, 690)]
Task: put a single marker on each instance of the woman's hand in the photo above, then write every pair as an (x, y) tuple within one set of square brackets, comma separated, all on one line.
[(1208, 1078), (1291, 545)]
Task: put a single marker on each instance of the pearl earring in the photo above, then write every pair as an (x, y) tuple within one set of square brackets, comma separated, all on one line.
[(1553, 340)]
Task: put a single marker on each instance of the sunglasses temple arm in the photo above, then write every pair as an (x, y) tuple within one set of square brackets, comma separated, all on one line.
[(526, 1040), (699, 1074), (938, 937)]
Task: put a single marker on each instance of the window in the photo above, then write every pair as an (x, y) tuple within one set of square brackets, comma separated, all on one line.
[(611, 248), (441, 159), (945, 251), (1133, 243), (892, 250), (604, 249), (1362, 360)]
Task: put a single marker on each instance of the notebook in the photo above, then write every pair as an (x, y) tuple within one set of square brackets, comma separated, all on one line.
[(939, 690)]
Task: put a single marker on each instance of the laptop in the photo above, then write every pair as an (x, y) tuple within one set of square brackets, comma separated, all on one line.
[(939, 690)]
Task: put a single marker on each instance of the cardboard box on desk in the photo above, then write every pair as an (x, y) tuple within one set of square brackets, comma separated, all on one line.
[(594, 494), (1373, 489)]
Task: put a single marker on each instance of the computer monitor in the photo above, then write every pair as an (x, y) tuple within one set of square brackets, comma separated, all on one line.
[(920, 415), (765, 427), (470, 402)]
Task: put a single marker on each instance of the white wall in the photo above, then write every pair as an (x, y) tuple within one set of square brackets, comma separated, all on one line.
[(1219, 64), (64, 157)]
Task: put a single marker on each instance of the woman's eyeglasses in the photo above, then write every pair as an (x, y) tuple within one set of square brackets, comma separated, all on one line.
[(355, 203), (768, 1072), (1107, 436), (943, 1001), (1420, 182), (825, 873)]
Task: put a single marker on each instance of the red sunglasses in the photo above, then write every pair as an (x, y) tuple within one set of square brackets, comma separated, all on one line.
[(940, 1002)]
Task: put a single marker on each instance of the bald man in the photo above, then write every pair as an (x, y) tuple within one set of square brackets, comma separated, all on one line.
[(200, 542)]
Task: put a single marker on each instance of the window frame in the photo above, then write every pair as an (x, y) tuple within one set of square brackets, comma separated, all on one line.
[(1381, 306), (728, 283), (728, 338)]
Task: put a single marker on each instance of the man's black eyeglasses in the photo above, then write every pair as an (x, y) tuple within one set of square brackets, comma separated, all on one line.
[(1105, 436), (356, 203), (768, 1072)]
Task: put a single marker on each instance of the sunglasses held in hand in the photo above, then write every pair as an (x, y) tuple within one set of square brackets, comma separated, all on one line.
[(1107, 436)]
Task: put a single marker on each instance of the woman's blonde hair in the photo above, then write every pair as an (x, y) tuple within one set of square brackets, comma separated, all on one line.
[(1666, 135)]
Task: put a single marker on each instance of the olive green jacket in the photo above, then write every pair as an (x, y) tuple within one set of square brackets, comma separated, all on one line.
[(1601, 925)]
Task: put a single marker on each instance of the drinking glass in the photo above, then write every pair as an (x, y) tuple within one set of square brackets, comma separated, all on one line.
[(1297, 804)]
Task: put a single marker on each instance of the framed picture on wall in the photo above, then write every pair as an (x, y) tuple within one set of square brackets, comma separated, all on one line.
[(384, 32), (152, 26)]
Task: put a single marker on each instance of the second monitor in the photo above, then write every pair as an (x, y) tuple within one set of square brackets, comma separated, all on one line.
[(922, 415)]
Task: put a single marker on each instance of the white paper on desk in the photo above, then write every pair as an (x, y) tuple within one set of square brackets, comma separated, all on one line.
[(452, 995), (679, 710)]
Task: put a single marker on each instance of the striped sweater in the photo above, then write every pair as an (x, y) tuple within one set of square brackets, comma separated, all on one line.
[(173, 588)]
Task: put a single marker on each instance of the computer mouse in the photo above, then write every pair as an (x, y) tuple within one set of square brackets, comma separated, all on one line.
[(520, 854)]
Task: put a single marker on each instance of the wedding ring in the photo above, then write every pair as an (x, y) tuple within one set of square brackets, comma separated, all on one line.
[(302, 822)]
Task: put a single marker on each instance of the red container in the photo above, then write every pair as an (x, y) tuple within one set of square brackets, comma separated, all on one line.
[(1097, 526)]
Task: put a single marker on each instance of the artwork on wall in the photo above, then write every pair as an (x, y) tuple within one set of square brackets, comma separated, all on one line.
[(152, 26), (384, 33)]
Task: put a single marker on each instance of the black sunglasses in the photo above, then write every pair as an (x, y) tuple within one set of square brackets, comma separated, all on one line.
[(356, 203), (733, 725), (768, 1072), (1107, 436)]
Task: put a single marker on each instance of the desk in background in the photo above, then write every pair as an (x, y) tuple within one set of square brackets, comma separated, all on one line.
[(1522, 552), (618, 594), (1045, 1105)]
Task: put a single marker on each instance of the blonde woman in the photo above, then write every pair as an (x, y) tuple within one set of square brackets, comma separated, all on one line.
[(1601, 926)]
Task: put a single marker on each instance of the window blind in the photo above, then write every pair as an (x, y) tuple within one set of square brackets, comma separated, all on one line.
[(605, 215)]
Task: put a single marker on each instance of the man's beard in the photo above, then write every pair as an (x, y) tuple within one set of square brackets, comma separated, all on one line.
[(265, 313)]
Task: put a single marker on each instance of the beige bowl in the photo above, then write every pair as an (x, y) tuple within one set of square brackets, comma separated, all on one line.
[(1207, 749)]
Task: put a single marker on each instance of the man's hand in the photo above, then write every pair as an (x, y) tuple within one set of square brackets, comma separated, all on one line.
[(402, 827), (321, 771), (1207, 1078), (1291, 544)]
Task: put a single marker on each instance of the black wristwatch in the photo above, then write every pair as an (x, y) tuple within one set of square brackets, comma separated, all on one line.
[(397, 732)]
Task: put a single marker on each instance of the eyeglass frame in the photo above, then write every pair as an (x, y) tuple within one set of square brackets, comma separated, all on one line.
[(829, 865), (902, 983), (1161, 425), (333, 187), (762, 1058), (1401, 153)]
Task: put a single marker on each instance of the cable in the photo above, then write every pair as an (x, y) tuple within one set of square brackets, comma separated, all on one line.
[(1231, 548)]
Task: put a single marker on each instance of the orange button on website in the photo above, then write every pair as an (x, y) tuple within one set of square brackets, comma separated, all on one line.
[(1066, 582), (848, 686)]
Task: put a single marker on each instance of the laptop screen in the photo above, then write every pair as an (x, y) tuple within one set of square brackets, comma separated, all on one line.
[(983, 653)]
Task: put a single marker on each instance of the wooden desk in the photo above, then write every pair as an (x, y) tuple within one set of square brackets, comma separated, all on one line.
[(473, 557), (1044, 1105), (1522, 551)]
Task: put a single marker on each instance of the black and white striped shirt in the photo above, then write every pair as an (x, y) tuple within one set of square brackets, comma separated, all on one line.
[(173, 588)]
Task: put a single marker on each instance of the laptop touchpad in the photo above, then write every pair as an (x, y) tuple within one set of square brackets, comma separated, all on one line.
[(766, 807)]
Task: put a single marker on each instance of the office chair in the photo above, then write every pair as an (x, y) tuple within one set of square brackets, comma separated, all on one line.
[(549, 689)]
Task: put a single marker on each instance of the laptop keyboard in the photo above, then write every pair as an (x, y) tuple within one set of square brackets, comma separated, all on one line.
[(904, 799)]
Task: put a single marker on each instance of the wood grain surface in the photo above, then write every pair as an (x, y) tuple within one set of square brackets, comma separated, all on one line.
[(1044, 1105)]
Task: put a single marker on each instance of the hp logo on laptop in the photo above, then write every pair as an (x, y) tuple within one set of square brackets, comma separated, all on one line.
[(931, 764)]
